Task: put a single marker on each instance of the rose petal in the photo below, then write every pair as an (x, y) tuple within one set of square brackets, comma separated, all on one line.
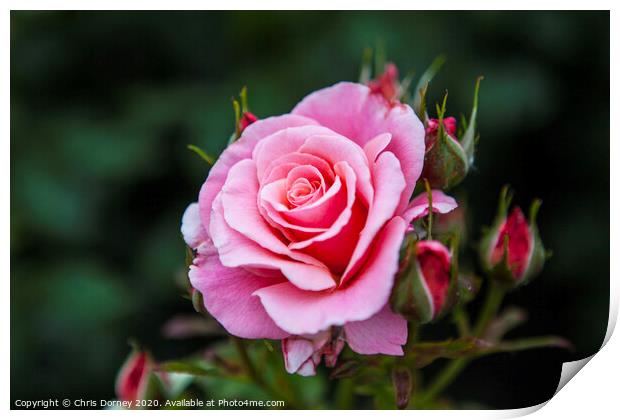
[(352, 110), (241, 211), (296, 352), (384, 333), (418, 207), (334, 148), (374, 147), (389, 183), (191, 227), (236, 250), (227, 294), (304, 312), (282, 143), (239, 150)]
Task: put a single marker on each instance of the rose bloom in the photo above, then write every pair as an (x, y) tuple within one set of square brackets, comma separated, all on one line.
[(298, 227)]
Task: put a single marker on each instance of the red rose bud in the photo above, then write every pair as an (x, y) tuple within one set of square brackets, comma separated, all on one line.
[(511, 251), (133, 379), (387, 84), (448, 159), (424, 281), (246, 119)]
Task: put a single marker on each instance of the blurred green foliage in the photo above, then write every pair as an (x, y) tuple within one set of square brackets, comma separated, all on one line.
[(103, 105)]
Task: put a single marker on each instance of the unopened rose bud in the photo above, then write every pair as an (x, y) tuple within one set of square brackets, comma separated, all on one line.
[(512, 251), (448, 158), (246, 119), (387, 84), (132, 382), (422, 289), (445, 161)]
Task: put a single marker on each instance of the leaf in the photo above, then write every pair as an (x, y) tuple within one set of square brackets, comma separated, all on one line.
[(423, 354), (185, 367)]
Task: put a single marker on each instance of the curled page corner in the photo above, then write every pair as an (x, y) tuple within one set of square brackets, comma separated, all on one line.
[(570, 369)]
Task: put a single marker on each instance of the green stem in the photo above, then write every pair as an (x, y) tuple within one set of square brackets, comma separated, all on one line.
[(492, 303), (494, 298), (442, 380)]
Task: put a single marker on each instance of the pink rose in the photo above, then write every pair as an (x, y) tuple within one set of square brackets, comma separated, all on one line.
[(299, 224)]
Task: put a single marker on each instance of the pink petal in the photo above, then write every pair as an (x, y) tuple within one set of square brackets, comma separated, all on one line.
[(352, 110), (304, 312), (384, 333), (296, 352), (308, 368), (239, 150), (282, 143), (389, 183), (239, 196), (280, 167), (374, 147), (334, 210), (227, 294), (418, 207), (334, 148), (191, 227), (236, 250)]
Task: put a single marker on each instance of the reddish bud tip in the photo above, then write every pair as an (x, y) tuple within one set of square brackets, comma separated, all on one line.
[(247, 119), (449, 125), (434, 260), (133, 378), (517, 230), (387, 83)]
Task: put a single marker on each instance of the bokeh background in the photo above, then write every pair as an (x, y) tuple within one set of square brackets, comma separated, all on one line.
[(103, 105)]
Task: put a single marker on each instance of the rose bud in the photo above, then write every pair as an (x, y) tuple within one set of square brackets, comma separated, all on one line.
[(424, 281), (132, 382), (387, 84), (448, 159), (246, 119), (511, 251)]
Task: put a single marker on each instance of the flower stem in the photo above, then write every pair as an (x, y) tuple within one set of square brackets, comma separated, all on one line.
[(492, 302), (494, 298)]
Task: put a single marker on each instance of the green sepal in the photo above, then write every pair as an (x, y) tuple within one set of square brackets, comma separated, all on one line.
[(490, 234), (409, 297), (419, 102), (198, 302), (366, 67), (469, 138), (446, 163), (452, 297), (539, 254), (205, 156)]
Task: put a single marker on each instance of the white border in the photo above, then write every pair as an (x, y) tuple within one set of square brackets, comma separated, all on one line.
[(593, 394)]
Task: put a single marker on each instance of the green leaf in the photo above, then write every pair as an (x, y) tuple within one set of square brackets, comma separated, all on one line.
[(185, 367)]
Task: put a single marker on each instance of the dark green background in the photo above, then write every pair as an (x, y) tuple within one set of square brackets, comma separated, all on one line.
[(103, 104)]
